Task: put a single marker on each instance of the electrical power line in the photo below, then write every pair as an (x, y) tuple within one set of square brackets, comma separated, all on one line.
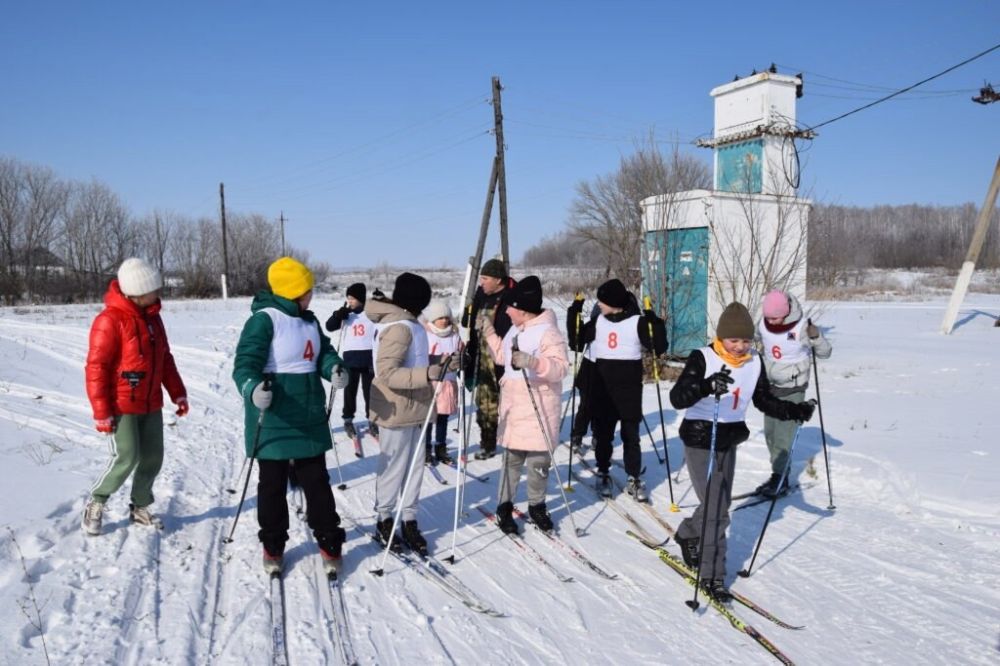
[(908, 88)]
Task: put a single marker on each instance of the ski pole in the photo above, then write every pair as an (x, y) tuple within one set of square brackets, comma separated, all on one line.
[(693, 604), (336, 454), (548, 444), (659, 401), (256, 445), (822, 428), (572, 400), (649, 433), (418, 450), (230, 490), (745, 573), (460, 486)]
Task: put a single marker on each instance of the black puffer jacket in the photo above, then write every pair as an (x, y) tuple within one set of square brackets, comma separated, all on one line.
[(691, 388), (501, 324)]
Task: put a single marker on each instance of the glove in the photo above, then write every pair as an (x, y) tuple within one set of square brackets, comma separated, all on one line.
[(182, 406), (485, 325), (339, 378), (520, 360), (812, 331), (107, 426), (717, 383), (262, 396), (804, 411), (577, 304), (436, 373)]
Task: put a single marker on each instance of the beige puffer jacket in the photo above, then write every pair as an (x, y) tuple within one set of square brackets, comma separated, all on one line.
[(400, 396)]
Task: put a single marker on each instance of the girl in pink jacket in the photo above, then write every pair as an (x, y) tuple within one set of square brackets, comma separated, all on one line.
[(533, 348)]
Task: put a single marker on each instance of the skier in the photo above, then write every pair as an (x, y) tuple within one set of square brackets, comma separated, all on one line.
[(128, 365), (727, 373), (535, 345), (401, 398), (280, 359), (356, 340), (787, 340), (617, 337), (443, 340), (479, 370)]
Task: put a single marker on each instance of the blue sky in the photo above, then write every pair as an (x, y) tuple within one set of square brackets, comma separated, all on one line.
[(366, 123)]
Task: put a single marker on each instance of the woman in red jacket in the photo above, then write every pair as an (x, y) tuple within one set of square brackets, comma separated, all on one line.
[(128, 364)]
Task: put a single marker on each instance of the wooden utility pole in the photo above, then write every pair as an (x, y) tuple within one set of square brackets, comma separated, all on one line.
[(225, 246), (282, 220), (965, 275), (501, 180)]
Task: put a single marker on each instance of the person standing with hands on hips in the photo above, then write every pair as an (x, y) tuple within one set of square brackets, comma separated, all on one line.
[(726, 376), (281, 359), (128, 365), (787, 340)]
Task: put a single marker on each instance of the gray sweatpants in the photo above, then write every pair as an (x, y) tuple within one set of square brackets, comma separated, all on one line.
[(396, 450), (779, 435), (537, 463), (714, 503)]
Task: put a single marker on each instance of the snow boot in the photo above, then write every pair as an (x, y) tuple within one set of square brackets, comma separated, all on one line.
[(441, 453), (717, 590), (540, 516), (413, 538), (349, 428), (383, 529), (141, 515), (273, 562), (603, 484), (505, 519), (92, 516), (690, 550), (637, 489)]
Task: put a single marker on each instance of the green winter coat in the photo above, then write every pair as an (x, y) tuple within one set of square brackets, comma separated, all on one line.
[(295, 425)]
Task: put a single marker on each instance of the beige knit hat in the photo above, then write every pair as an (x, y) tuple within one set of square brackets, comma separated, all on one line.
[(735, 322), (137, 277)]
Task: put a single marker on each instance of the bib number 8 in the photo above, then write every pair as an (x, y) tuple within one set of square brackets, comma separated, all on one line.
[(612, 340)]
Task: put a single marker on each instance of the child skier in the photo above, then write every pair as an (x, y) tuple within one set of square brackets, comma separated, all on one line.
[(128, 365), (787, 340), (534, 348), (357, 336), (280, 359), (443, 340), (401, 399), (726, 375), (616, 340)]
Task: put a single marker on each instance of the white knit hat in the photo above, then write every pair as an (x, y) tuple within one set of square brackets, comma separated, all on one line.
[(435, 310), (137, 277)]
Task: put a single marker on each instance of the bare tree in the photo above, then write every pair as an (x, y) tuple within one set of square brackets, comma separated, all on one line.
[(97, 234), (607, 211)]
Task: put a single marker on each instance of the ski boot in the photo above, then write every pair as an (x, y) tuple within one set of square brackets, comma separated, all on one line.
[(636, 489), (273, 563), (441, 453), (717, 590), (349, 429), (485, 454), (331, 547), (373, 430), (429, 456), (413, 538), (92, 516), (540, 517), (383, 531), (603, 484), (141, 515), (505, 519), (690, 550), (770, 487)]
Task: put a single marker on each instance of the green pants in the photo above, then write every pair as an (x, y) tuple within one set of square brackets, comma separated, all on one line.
[(487, 403), (136, 445), (779, 435)]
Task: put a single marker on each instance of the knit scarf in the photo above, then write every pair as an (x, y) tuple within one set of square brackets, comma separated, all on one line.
[(729, 359)]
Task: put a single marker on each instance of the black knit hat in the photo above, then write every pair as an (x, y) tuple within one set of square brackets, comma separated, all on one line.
[(411, 292), (527, 295), (494, 268), (357, 290), (735, 322), (613, 293)]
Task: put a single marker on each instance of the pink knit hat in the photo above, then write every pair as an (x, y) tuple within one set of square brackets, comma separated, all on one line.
[(776, 305)]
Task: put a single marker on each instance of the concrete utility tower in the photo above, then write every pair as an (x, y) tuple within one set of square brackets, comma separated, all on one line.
[(706, 248)]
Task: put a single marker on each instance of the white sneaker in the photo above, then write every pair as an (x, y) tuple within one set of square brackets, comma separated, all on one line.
[(141, 515), (637, 489), (92, 516)]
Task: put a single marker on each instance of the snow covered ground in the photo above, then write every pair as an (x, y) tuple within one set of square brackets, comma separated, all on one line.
[(904, 571)]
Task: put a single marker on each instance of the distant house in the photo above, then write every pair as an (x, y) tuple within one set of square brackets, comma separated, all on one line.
[(40, 260)]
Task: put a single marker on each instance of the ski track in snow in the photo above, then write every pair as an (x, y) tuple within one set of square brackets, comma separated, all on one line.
[(905, 570)]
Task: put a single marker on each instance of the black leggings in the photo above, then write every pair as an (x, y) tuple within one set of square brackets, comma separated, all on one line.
[(272, 500)]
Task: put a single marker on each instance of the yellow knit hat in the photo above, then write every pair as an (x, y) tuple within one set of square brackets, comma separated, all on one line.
[(289, 278)]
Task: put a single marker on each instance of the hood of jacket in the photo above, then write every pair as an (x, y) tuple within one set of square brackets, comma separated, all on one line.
[(267, 299), (115, 299), (546, 317), (386, 312)]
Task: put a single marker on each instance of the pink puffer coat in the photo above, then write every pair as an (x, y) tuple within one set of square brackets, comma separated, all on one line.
[(518, 424)]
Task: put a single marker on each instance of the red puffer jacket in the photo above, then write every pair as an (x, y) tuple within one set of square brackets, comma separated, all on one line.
[(129, 359)]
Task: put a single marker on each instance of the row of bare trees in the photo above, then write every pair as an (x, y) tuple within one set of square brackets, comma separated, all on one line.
[(63, 240)]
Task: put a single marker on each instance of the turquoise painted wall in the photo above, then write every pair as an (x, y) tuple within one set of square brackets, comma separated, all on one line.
[(739, 167)]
